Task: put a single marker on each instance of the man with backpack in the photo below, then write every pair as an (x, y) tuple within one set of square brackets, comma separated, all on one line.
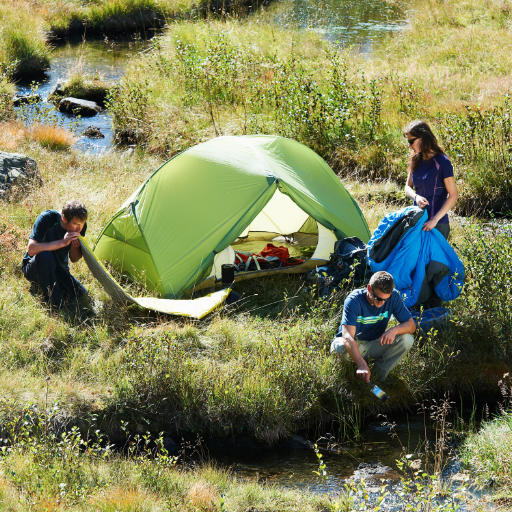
[(362, 331), (52, 243)]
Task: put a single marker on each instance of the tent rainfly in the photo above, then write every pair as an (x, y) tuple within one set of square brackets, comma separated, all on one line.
[(175, 232)]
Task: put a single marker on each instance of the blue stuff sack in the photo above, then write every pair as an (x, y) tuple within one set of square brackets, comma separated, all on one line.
[(432, 317)]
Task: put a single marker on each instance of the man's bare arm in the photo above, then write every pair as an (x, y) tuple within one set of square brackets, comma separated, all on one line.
[(34, 247), (404, 328), (75, 251), (348, 336)]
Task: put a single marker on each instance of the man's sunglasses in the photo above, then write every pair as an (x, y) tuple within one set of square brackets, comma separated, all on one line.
[(376, 297), (410, 141)]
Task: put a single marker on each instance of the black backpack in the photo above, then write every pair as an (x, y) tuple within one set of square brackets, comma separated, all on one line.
[(348, 259)]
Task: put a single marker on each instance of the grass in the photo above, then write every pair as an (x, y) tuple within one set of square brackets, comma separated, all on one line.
[(6, 94), (52, 137), (46, 469), (455, 53), (487, 454), (49, 136), (272, 371), (11, 133), (114, 18), (24, 53), (83, 87)]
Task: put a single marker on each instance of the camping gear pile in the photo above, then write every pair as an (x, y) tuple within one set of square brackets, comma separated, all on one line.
[(270, 257), (347, 263)]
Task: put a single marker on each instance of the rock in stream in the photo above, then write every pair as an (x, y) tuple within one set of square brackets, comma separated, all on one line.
[(77, 107)]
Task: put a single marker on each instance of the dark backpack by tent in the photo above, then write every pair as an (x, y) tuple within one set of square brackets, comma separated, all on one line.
[(347, 260)]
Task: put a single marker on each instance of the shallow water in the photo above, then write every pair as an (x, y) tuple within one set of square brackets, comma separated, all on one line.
[(371, 463), (374, 459), (359, 24), (104, 59)]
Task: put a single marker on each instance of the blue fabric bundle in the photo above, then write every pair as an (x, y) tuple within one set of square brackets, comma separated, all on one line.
[(422, 263), (429, 318)]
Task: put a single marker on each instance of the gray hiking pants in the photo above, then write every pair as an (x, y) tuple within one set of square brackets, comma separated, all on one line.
[(386, 356)]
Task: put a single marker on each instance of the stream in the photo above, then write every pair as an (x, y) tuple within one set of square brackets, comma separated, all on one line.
[(104, 59), (348, 23), (372, 460)]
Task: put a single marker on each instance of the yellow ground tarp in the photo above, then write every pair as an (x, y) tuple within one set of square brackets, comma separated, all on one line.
[(193, 308)]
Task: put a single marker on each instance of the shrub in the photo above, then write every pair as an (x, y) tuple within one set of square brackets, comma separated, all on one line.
[(251, 88), (6, 94), (484, 308), (480, 141)]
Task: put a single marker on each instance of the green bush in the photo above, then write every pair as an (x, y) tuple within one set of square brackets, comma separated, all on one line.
[(258, 89), (6, 95), (480, 142), (484, 310)]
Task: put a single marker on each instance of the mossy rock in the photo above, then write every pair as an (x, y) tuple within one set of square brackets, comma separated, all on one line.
[(83, 89)]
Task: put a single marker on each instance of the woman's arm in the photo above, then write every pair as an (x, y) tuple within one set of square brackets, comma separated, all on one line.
[(409, 191), (453, 195), (421, 201)]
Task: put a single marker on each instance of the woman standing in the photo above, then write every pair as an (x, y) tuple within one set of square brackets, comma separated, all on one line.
[(430, 183)]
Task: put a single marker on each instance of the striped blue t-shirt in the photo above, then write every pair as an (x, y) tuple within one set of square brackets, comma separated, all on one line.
[(370, 321)]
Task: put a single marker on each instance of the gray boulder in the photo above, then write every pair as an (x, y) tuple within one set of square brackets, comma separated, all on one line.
[(78, 107), (15, 169)]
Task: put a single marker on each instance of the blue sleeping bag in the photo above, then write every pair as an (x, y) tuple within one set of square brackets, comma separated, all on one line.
[(422, 263)]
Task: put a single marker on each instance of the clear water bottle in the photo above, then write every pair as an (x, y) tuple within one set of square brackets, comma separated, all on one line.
[(378, 392)]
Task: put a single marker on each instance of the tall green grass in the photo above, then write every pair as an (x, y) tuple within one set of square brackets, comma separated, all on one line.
[(6, 95), (246, 78), (486, 454), (46, 466), (481, 142), (484, 309), (23, 51)]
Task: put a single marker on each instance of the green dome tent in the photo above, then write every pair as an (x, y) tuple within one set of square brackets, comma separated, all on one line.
[(181, 225)]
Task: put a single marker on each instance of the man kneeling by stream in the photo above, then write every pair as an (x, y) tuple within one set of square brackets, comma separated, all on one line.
[(362, 331)]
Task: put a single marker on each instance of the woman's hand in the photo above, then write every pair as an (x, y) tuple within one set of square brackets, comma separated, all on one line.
[(429, 225), (421, 201)]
